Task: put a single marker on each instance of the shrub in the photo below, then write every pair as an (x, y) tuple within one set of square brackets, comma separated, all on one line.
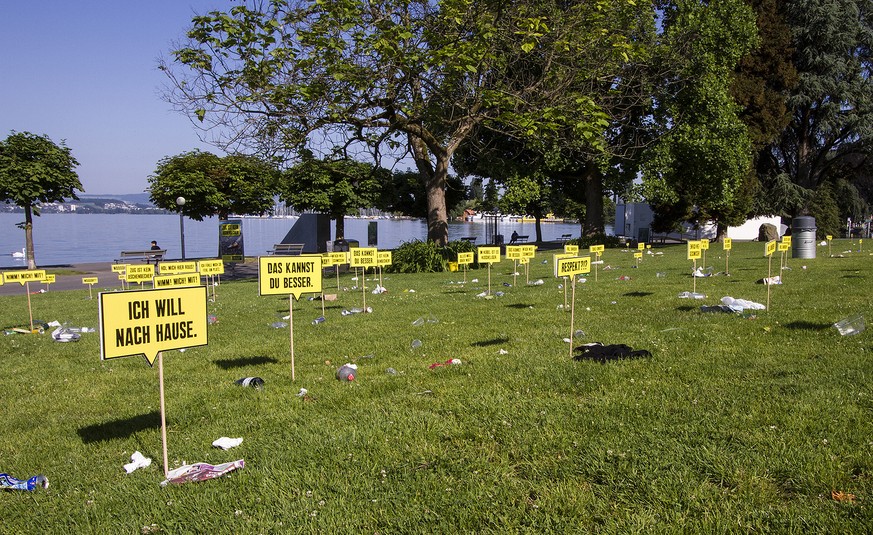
[(610, 242), (417, 257)]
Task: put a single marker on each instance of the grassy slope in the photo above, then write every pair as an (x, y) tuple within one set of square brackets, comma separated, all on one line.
[(735, 425)]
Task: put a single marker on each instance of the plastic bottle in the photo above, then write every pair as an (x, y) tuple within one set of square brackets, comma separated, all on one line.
[(319, 319), (33, 483), (347, 372)]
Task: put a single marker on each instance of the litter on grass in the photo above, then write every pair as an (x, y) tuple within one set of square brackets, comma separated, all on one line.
[(137, 460), (691, 295), (226, 443), (255, 382), (200, 472), (8, 482), (347, 372), (850, 326)]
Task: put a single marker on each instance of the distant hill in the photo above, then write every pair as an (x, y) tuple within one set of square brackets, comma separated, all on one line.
[(133, 198)]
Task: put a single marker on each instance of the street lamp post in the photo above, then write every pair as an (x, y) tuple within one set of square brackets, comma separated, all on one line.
[(180, 202)]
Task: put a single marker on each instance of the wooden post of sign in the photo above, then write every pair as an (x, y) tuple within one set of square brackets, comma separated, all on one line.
[(565, 293), (90, 296), (380, 278), (291, 332), (364, 286), (514, 272), (727, 255), (489, 278), (596, 265), (163, 411), (703, 261), (694, 277), (29, 309), (527, 272), (465, 273), (572, 315), (769, 263)]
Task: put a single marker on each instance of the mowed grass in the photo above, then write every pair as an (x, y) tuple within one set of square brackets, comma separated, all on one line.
[(735, 425)]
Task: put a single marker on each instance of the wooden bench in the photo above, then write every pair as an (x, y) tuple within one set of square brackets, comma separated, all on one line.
[(286, 249), (470, 239), (519, 239), (565, 238), (146, 256)]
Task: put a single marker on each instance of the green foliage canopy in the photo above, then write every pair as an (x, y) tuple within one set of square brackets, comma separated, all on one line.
[(34, 170), (213, 185)]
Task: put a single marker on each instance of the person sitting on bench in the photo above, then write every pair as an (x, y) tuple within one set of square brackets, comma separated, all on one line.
[(514, 237)]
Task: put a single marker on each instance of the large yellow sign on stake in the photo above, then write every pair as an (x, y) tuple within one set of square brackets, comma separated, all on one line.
[(210, 267), (23, 277), (488, 255), (294, 275), (146, 322), (363, 257), (177, 281), (571, 249), (171, 268), (570, 267), (139, 274)]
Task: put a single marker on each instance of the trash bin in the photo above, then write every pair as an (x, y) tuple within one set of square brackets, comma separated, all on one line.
[(498, 239), (340, 246), (803, 237)]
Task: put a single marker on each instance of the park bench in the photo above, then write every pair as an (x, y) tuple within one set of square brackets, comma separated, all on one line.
[(565, 238), (286, 249), (470, 239), (146, 256), (519, 239)]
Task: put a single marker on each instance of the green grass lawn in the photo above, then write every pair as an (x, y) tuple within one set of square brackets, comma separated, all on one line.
[(737, 424)]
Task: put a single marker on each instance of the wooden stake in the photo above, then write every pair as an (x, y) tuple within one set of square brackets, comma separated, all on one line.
[(291, 332), (572, 315), (29, 309), (163, 411)]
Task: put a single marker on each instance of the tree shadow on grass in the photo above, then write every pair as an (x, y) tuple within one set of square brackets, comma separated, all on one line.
[(227, 364), (686, 308), (808, 326), (519, 305), (492, 342), (639, 294), (119, 428)]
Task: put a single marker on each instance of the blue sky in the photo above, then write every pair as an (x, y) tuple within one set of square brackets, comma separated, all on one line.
[(86, 72)]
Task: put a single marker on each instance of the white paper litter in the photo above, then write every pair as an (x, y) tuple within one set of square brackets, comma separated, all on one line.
[(226, 443)]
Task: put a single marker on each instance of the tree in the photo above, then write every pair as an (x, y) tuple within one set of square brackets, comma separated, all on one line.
[(337, 188), (212, 185), (832, 104), (410, 77), (35, 170), (698, 167), (405, 193)]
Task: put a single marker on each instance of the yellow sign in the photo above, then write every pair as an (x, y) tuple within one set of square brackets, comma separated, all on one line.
[(488, 255), (177, 281), (571, 249), (89, 280), (513, 252), (383, 258), (22, 277), (829, 237), (641, 246), (704, 244), (295, 275), (232, 258), (170, 268), (528, 251), (638, 255), (786, 239), (49, 279), (145, 322), (727, 244), (567, 267), (770, 248), (119, 268), (523, 260), (230, 229), (210, 267), (694, 250), (140, 273), (596, 249), (782, 246), (465, 258), (1, 279), (339, 257), (363, 257)]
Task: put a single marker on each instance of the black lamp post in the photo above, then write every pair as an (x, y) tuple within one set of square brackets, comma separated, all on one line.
[(180, 202)]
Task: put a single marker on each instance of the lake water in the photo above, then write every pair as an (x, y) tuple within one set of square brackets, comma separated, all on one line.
[(80, 238)]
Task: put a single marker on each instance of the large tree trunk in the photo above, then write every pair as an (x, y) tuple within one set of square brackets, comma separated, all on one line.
[(593, 180), (340, 227), (28, 237), (434, 178)]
